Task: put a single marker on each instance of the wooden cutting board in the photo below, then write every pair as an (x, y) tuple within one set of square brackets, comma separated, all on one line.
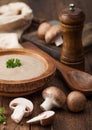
[(56, 51)]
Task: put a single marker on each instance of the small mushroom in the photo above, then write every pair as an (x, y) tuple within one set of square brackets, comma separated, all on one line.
[(53, 35), (76, 101), (45, 118), (42, 29), (54, 97), (22, 107)]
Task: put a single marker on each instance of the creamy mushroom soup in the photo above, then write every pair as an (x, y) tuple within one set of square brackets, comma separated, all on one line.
[(31, 67)]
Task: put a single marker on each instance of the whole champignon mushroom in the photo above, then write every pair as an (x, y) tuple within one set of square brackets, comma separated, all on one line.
[(42, 29), (54, 35), (76, 101), (22, 107), (54, 97), (45, 118)]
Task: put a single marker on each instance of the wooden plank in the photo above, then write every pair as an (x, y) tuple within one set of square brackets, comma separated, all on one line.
[(64, 119), (50, 8), (73, 121), (11, 125)]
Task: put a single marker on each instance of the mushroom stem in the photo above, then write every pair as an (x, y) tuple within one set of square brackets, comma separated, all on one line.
[(58, 40), (35, 119), (18, 113), (47, 104)]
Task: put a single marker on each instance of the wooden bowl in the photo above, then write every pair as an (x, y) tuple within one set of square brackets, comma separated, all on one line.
[(20, 85)]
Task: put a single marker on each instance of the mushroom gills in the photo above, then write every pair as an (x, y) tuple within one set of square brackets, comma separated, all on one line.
[(44, 118), (22, 107)]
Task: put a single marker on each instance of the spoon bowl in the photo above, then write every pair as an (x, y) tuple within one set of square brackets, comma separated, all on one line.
[(76, 79)]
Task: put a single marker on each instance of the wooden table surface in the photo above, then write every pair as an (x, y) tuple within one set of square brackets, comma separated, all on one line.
[(64, 119)]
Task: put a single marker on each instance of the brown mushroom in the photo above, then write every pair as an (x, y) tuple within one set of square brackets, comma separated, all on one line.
[(54, 35), (45, 118), (42, 29), (54, 97), (76, 101)]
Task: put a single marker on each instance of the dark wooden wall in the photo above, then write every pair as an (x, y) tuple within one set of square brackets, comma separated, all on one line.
[(49, 9)]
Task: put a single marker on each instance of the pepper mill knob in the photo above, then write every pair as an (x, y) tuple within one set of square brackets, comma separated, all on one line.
[(72, 21), (71, 7)]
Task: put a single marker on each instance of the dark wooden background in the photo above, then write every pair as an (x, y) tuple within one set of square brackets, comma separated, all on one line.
[(49, 9), (64, 120)]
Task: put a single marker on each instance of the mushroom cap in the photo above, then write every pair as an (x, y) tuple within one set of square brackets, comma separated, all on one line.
[(52, 33), (56, 94), (76, 101), (22, 101), (42, 29)]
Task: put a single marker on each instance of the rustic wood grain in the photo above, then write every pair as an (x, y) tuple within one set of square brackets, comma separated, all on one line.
[(30, 85), (72, 53), (49, 9), (73, 121), (76, 79), (65, 120)]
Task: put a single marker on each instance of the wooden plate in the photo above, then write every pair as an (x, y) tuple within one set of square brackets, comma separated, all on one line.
[(12, 86)]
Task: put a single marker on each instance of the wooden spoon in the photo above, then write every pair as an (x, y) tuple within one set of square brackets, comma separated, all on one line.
[(76, 79)]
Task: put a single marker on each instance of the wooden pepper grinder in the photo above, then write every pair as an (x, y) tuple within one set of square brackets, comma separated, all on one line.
[(72, 21)]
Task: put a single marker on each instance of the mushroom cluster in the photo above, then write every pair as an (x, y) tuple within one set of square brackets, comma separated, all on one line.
[(54, 97), (50, 33), (23, 107)]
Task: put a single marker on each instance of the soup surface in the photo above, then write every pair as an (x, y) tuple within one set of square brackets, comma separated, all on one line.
[(31, 67)]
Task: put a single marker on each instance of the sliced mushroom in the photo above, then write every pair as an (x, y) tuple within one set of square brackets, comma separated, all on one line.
[(22, 107), (45, 118), (53, 35), (54, 97)]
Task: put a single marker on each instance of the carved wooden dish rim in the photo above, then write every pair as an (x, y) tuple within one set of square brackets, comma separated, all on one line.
[(46, 59)]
